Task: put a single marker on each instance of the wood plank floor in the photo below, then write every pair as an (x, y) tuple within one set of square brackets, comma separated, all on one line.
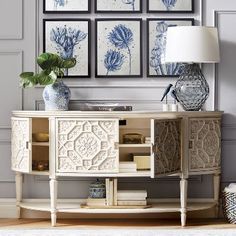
[(114, 223)]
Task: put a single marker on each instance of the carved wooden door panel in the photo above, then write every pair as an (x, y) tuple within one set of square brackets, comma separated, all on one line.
[(87, 145), (204, 144), (21, 155), (166, 151)]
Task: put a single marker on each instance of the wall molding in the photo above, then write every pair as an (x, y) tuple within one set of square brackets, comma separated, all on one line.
[(21, 96), (216, 14), (18, 36)]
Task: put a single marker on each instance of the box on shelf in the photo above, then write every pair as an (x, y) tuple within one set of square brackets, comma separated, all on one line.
[(133, 138), (142, 161)]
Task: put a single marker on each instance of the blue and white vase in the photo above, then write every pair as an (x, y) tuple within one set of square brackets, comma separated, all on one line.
[(56, 96)]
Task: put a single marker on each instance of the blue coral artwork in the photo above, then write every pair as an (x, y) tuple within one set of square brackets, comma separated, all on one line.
[(157, 31), (170, 6), (69, 39), (118, 48), (66, 6), (118, 6)]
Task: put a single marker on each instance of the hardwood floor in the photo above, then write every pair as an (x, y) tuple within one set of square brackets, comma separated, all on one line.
[(114, 223)]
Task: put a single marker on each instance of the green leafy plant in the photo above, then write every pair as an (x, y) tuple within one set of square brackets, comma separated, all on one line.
[(52, 65)]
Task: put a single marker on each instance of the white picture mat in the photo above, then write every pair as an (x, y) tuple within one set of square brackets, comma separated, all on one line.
[(116, 5), (103, 45), (153, 33), (71, 5), (181, 5), (80, 51)]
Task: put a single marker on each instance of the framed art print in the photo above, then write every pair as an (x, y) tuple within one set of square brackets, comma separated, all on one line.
[(156, 44), (118, 49), (170, 6), (69, 38), (66, 6), (119, 6)]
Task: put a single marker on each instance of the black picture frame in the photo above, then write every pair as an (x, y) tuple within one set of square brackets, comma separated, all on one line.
[(119, 20), (118, 11), (171, 11), (45, 11), (88, 75), (191, 20)]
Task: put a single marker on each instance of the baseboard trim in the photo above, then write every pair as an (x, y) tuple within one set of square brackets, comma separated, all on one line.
[(8, 210)]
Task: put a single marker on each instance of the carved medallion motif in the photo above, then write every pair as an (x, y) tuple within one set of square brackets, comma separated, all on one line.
[(87, 145), (205, 139)]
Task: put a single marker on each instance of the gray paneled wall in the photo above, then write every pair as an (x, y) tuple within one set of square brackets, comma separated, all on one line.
[(21, 40)]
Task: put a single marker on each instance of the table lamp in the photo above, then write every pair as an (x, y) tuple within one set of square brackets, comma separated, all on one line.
[(192, 45)]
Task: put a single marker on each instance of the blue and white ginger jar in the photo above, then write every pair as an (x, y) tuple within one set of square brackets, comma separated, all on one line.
[(56, 96)]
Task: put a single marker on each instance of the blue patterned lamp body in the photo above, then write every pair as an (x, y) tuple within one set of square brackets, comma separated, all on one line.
[(56, 96)]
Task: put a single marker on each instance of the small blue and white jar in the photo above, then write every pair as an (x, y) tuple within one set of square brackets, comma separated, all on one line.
[(56, 96), (97, 189)]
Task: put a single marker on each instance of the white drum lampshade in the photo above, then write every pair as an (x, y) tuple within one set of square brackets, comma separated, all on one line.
[(192, 45)]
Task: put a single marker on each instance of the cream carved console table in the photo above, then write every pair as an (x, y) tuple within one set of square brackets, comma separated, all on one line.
[(89, 144)]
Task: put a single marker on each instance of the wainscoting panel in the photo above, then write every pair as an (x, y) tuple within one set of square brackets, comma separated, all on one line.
[(6, 175), (225, 89), (11, 19), (10, 92)]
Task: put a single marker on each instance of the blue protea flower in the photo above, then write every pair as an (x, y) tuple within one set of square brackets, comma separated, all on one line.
[(169, 4), (113, 60), (121, 37), (66, 38), (60, 3), (132, 2)]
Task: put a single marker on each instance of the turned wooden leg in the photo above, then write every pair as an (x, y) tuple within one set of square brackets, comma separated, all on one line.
[(216, 181), (183, 200), (19, 183), (53, 199)]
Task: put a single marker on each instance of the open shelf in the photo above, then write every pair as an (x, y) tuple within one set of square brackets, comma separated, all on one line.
[(142, 145), (155, 208), (36, 172), (131, 174), (43, 144)]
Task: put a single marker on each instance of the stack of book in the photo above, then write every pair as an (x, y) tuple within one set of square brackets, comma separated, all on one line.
[(131, 197), (147, 140), (127, 167), (111, 192), (96, 202)]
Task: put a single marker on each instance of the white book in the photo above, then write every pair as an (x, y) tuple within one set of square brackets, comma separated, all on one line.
[(138, 194), (131, 198), (115, 192), (124, 170), (111, 193), (132, 203), (127, 164), (107, 182)]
